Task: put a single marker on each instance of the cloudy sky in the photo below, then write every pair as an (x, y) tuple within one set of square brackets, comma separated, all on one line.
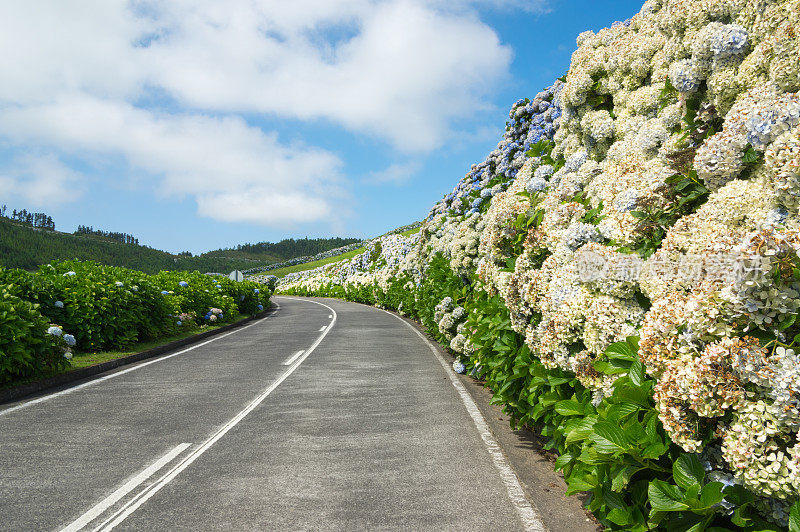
[(198, 124)]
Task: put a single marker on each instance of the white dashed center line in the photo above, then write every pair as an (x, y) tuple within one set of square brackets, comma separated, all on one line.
[(293, 358)]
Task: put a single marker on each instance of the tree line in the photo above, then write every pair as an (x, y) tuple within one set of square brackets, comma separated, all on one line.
[(123, 238), (39, 220)]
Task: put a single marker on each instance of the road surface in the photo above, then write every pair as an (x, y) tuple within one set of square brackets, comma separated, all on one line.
[(325, 415)]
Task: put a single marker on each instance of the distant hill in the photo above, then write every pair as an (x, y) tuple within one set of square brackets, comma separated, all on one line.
[(280, 251), (27, 247)]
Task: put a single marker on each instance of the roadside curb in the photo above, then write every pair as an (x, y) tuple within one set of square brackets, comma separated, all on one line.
[(23, 390)]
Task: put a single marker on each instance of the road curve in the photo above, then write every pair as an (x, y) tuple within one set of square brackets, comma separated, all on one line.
[(325, 415)]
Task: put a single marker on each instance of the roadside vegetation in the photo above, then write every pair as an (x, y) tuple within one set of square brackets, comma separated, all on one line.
[(80, 360), (67, 309)]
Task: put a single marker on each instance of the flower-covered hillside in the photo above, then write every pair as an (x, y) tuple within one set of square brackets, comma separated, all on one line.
[(639, 223)]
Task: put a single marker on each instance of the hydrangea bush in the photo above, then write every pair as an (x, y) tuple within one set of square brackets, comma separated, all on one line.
[(88, 307), (627, 262), (29, 344)]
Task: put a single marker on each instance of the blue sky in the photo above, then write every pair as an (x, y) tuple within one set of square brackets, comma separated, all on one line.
[(198, 125)]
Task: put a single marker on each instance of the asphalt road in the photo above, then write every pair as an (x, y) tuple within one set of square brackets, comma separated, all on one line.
[(325, 415)]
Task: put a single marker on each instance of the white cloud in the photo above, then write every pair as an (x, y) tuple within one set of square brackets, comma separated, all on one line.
[(95, 77), (53, 47), (397, 173), (41, 180), (213, 159), (399, 69), (264, 206)]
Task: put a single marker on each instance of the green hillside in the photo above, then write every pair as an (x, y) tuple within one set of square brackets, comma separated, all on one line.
[(282, 272), (279, 251), (26, 247)]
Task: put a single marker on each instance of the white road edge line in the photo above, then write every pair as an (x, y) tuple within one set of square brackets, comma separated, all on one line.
[(123, 490), (323, 328), (293, 358), (123, 372), (132, 505), (527, 514)]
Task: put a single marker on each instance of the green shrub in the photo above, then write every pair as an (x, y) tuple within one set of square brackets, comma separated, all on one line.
[(113, 308), (26, 349)]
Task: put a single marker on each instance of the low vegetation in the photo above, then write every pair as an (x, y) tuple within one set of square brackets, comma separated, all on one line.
[(68, 308)]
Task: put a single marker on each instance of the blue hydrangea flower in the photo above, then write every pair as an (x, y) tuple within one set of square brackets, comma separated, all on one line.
[(576, 160), (777, 216), (179, 323), (684, 76), (764, 127), (256, 291), (458, 367), (69, 274), (626, 201), (164, 292), (70, 340), (219, 286), (261, 307), (543, 172), (183, 284), (729, 43), (536, 184), (118, 283), (55, 331), (529, 122), (580, 233), (59, 304)]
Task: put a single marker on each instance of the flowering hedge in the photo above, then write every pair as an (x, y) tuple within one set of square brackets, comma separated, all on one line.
[(90, 307), (28, 348), (623, 270)]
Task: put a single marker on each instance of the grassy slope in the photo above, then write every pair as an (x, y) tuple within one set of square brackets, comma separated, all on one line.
[(281, 272), (411, 232)]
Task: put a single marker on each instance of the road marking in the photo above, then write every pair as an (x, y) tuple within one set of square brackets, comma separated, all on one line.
[(527, 514), (330, 315), (323, 328), (134, 368), (143, 496), (293, 358), (123, 490)]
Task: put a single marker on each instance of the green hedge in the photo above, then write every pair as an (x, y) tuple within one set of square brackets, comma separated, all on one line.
[(25, 347), (106, 308)]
